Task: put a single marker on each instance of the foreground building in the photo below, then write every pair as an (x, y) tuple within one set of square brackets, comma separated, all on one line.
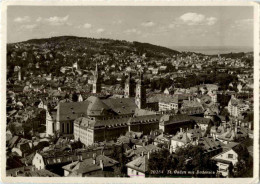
[(138, 167), (97, 166), (226, 158)]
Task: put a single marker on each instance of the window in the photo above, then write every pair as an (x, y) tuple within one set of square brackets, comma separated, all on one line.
[(230, 155), (137, 173)]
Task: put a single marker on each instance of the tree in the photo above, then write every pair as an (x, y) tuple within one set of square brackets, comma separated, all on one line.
[(159, 161), (118, 154), (244, 166)]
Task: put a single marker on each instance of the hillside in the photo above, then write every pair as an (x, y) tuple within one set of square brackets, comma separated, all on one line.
[(50, 54), (82, 43)]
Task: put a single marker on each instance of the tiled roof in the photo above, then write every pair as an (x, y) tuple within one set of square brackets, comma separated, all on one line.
[(72, 110), (166, 98), (145, 119), (209, 112), (191, 110), (116, 121), (40, 173), (185, 138), (139, 164), (174, 119), (209, 144), (96, 107), (142, 149), (229, 135), (201, 120), (87, 165), (143, 112), (222, 160), (182, 137), (121, 106)]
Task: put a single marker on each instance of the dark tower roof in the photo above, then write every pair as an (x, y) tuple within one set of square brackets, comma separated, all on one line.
[(129, 78)]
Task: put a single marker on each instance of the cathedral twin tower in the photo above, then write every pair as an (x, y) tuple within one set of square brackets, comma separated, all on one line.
[(140, 96)]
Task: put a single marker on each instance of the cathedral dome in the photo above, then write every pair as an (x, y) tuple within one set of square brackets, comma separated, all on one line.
[(96, 107)]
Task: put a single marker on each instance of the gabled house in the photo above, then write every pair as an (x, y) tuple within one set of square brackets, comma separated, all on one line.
[(225, 159), (97, 166), (138, 167)]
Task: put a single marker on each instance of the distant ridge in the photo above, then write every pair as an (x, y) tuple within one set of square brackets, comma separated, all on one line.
[(103, 43)]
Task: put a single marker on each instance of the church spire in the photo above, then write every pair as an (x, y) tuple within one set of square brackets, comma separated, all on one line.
[(140, 98), (96, 81)]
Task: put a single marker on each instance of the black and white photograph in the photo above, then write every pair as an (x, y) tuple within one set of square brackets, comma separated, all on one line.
[(145, 91)]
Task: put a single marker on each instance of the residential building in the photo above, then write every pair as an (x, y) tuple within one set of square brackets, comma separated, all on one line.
[(97, 166), (138, 168), (225, 159)]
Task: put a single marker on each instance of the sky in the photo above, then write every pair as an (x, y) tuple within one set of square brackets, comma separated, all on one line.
[(169, 26)]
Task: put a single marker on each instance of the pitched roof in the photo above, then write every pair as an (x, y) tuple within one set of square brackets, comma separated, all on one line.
[(71, 110), (143, 112), (87, 165), (191, 103), (185, 138), (179, 118), (209, 144), (121, 106), (142, 149), (145, 119), (40, 173), (229, 135), (192, 110), (96, 107), (166, 98), (201, 120), (139, 164)]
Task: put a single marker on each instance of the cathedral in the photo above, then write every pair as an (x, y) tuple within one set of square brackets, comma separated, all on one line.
[(97, 119), (97, 109)]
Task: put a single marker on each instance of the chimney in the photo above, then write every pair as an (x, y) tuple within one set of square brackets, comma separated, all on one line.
[(16, 172), (236, 129), (101, 164), (171, 150), (94, 158), (250, 125), (148, 155), (94, 161), (19, 75), (142, 154), (181, 130)]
